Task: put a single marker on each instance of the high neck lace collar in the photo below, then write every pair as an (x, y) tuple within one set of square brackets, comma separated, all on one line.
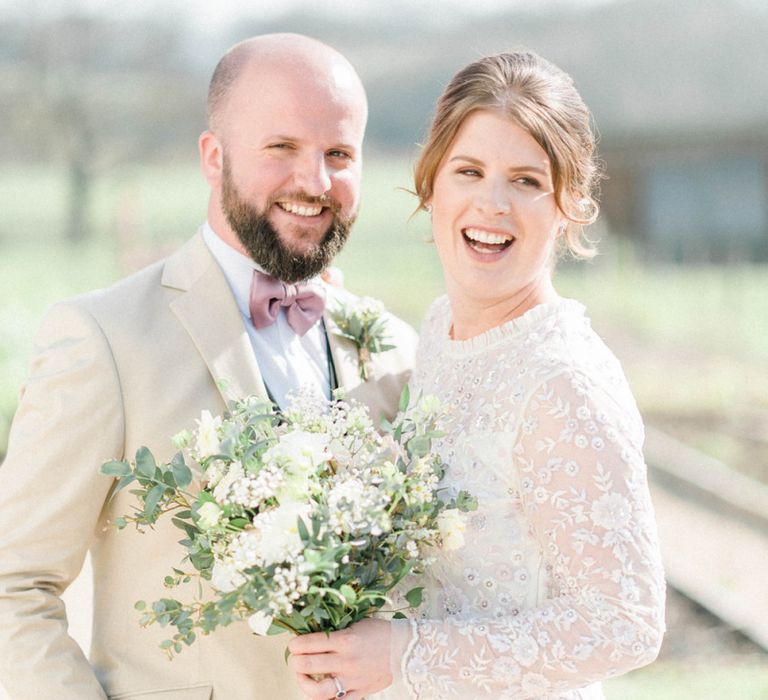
[(515, 327)]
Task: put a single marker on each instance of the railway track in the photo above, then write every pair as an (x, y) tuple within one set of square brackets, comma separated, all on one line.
[(713, 527)]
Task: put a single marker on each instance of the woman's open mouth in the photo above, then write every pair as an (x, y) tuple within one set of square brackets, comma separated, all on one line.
[(485, 242)]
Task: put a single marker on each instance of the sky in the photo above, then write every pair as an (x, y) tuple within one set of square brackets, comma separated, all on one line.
[(207, 13)]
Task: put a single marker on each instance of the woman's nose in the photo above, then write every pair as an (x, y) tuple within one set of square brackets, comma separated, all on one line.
[(494, 199)]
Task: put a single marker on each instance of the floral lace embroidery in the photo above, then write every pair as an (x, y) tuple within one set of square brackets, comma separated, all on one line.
[(562, 585)]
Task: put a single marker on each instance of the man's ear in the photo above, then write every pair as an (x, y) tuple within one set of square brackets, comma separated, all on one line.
[(211, 157)]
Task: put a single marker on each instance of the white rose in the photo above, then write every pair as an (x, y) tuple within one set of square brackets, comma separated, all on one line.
[(209, 515), (260, 622), (299, 450), (279, 532), (452, 526), (207, 435), (225, 577)]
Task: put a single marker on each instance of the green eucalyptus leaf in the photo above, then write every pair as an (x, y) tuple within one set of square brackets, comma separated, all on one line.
[(152, 499), (116, 468), (188, 527), (127, 479), (399, 616), (145, 463), (415, 596), (181, 472), (418, 446)]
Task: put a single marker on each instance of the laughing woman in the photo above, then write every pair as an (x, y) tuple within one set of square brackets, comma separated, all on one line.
[(562, 584)]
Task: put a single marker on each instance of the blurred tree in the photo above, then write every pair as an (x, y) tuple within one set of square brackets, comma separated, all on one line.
[(95, 94)]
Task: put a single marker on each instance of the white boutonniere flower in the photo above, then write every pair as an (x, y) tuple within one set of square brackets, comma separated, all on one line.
[(363, 322)]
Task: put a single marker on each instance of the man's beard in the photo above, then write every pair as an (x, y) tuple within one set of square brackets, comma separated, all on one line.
[(262, 242)]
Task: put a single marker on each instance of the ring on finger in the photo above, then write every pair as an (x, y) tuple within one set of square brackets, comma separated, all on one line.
[(340, 692)]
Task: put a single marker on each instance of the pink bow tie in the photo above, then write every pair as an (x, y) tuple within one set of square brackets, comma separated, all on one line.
[(303, 305)]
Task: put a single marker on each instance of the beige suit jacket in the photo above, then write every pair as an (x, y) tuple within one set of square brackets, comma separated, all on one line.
[(113, 370)]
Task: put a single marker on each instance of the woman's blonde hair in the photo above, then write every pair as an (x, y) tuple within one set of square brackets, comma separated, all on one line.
[(540, 98)]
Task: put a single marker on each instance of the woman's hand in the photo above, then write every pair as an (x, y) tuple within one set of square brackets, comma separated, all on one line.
[(358, 657)]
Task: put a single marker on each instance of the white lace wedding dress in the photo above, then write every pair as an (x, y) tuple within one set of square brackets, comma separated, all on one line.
[(560, 582)]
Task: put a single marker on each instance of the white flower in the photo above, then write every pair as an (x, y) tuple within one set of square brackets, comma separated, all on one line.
[(299, 451), (207, 443), (452, 526), (260, 622), (209, 515), (611, 511), (244, 550), (225, 577), (368, 309), (279, 532), (356, 507), (235, 473)]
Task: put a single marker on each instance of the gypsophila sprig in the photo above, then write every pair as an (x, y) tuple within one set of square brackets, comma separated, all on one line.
[(364, 322), (304, 520)]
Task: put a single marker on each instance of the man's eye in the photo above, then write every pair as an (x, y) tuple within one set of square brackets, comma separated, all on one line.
[(340, 154)]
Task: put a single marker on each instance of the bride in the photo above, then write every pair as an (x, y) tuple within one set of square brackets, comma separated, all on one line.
[(560, 583)]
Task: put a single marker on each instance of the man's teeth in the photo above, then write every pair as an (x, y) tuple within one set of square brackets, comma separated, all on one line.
[(486, 237), (299, 209)]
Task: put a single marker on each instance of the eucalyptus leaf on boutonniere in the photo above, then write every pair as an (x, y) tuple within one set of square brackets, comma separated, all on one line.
[(364, 322)]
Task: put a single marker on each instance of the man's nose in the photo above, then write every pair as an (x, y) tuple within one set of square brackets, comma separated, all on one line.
[(312, 175)]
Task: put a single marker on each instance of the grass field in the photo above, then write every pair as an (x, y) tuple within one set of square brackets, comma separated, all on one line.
[(694, 341)]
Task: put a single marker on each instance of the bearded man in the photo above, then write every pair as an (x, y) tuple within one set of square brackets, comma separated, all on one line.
[(238, 310)]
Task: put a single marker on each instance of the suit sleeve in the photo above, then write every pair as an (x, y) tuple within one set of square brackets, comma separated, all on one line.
[(69, 420)]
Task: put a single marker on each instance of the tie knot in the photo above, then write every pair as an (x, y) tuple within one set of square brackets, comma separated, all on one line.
[(290, 292), (302, 302)]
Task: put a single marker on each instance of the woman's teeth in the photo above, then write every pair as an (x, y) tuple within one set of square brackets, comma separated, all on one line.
[(487, 242), (300, 210)]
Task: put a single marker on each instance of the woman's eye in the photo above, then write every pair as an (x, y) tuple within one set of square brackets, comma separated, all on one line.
[(281, 146), (340, 154), (528, 181), (471, 172)]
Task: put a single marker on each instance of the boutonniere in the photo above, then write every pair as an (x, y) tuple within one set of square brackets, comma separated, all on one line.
[(364, 322)]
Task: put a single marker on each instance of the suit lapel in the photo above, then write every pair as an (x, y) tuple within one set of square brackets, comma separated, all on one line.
[(208, 312), (344, 356)]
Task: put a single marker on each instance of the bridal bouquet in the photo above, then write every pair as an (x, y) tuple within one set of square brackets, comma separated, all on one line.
[(303, 520)]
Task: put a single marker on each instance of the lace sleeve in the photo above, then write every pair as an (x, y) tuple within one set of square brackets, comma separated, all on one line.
[(583, 491)]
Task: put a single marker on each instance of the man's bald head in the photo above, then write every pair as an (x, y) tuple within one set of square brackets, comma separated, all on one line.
[(292, 55)]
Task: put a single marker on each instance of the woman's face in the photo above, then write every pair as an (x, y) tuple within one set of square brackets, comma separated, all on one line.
[(494, 216)]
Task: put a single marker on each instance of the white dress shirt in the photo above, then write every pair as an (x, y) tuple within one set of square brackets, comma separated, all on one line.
[(287, 361)]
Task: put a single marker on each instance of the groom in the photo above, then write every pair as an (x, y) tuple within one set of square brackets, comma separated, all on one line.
[(135, 364)]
